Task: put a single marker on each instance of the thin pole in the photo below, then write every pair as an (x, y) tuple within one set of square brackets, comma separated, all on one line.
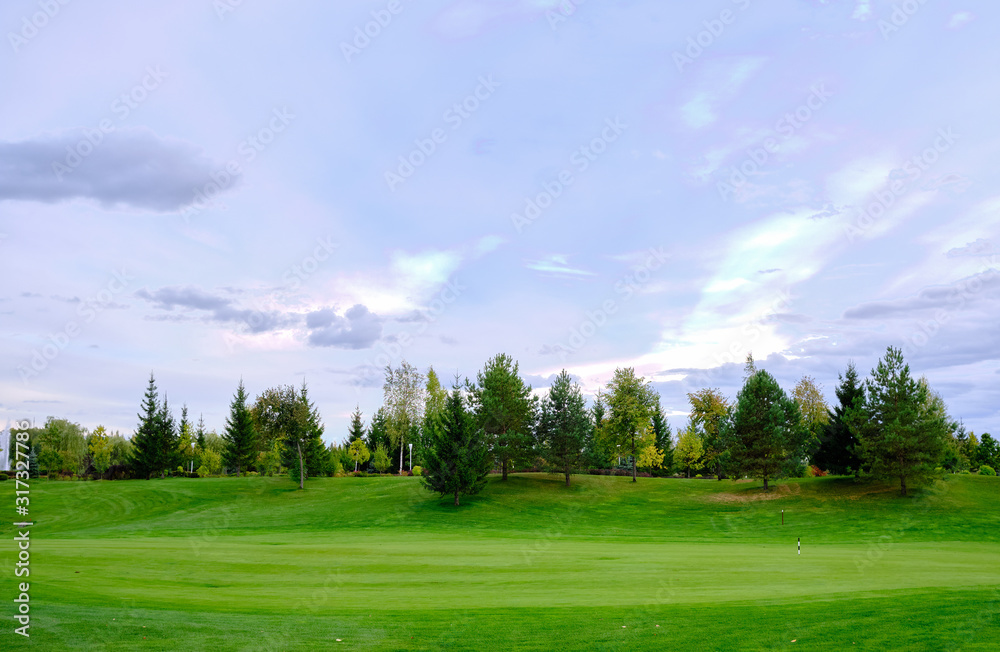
[(800, 545), (782, 517)]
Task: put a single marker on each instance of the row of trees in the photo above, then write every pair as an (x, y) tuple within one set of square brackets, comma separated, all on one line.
[(889, 425)]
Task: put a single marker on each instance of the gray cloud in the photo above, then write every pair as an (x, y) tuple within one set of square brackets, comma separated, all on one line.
[(973, 250), (359, 328), (127, 167), (983, 286), (220, 309)]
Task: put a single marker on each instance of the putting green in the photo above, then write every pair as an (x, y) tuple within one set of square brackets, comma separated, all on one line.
[(252, 563)]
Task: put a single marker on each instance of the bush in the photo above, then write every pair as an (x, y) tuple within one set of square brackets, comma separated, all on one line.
[(417, 470), (987, 470), (359, 474), (193, 474), (203, 471), (816, 472), (3, 476)]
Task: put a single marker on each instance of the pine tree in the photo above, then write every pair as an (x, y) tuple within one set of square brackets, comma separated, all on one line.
[(901, 429), (563, 425), (457, 458), (240, 434), (836, 452), (506, 411), (143, 459)]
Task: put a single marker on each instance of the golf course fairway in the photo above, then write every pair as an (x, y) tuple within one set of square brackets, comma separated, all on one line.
[(605, 564)]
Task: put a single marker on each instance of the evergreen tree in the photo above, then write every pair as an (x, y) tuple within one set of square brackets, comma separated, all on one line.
[(661, 431), (316, 453), (33, 471), (357, 428), (594, 454), (765, 431), (167, 438), (185, 438), (457, 457), (902, 428), (200, 432), (144, 455), (240, 434), (505, 410), (837, 444), (378, 431), (563, 425)]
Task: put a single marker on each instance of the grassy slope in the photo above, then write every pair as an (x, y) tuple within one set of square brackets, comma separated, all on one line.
[(380, 562)]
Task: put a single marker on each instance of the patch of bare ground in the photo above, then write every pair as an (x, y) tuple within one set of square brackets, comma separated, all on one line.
[(756, 493)]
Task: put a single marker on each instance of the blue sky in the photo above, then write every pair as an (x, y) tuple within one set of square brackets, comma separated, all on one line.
[(217, 190)]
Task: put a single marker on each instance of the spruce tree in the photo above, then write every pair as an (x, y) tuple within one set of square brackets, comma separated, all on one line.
[(167, 437), (765, 431), (664, 442), (201, 432), (143, 459), (836, 452), (563, 425), (240, 434), (378, 431), (316, 453), (457, 458), (357, 429)]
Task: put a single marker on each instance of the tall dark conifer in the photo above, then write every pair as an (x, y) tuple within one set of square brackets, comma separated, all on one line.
[(563, 425), (836, 452), (143, 459), (240, 434), (457, 458)]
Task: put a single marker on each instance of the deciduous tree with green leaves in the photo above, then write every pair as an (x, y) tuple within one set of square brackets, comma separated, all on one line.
[(709, 411), (359, 453), (380, 459), (403, 398), (688, 453), (627, 428), (99, 445)]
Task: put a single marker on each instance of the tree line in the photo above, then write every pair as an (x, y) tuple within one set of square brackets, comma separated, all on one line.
[(889, 425)]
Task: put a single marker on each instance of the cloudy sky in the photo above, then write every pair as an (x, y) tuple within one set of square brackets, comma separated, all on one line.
[(220, 189)]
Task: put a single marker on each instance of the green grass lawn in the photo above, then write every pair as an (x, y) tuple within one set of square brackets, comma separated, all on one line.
[(255, 564)]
